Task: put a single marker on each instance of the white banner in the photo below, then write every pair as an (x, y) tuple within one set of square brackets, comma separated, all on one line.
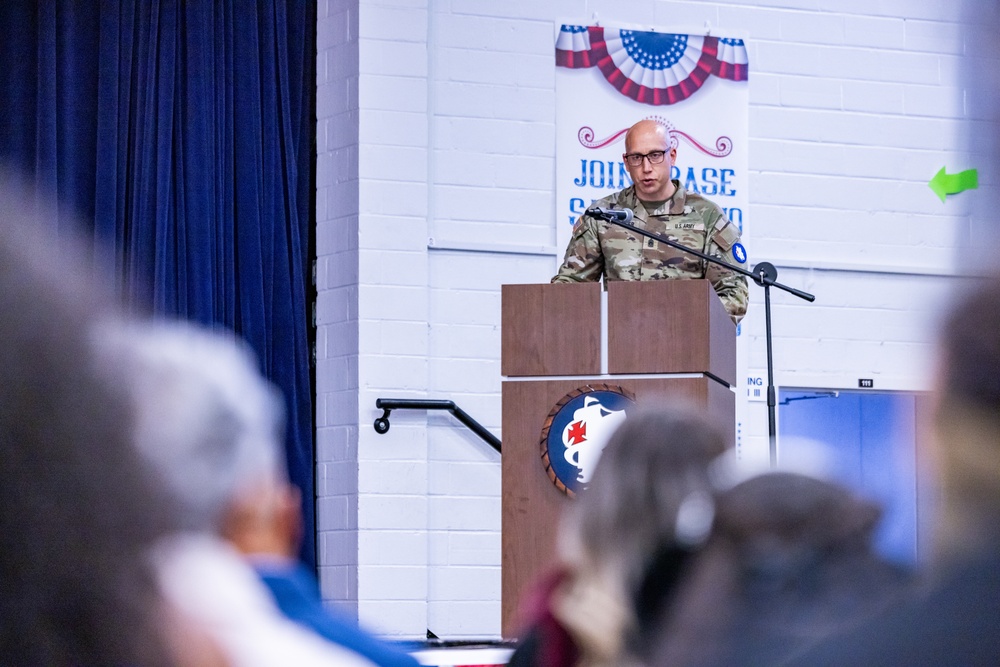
[(607, 79)]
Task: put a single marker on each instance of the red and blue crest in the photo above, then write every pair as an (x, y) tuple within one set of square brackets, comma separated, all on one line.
[(577, 429)]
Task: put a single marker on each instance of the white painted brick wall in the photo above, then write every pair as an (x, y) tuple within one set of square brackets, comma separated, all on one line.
[(394, 308), (372, 308), (436, 141), (336, 306)]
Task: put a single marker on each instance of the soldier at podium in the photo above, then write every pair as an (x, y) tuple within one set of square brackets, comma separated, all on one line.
[(661, 206)]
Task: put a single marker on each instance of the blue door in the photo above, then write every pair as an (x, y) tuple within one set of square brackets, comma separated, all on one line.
[(871, 438)]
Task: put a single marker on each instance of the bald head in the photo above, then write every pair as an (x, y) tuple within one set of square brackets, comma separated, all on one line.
[(646, 131)]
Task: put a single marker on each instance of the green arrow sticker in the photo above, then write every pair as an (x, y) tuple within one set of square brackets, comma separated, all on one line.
[(949, 184)]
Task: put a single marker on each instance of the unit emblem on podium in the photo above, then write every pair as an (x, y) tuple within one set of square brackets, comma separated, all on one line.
[(576, 430)]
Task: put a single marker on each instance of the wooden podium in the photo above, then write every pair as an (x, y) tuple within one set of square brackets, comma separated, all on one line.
[(656, 340)]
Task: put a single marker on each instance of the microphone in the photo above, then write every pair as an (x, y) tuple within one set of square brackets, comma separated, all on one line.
[(620, 214)]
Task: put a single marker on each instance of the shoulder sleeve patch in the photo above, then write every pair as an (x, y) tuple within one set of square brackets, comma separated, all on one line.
[(725, 233)]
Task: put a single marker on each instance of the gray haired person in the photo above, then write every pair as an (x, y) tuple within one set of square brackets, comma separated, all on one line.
[(206, 419), (212, 428)]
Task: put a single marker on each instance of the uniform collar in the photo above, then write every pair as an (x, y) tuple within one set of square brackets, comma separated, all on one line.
[(673, 206)]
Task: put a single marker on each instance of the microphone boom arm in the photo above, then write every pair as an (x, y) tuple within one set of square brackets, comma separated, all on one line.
[(766, 276)]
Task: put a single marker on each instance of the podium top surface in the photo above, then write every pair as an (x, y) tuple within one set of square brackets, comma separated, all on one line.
[(668, 326)]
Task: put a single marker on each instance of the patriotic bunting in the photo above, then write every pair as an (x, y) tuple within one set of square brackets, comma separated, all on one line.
[(651, 68)]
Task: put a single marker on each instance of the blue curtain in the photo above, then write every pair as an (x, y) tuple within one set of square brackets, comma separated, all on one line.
[(183, 133)]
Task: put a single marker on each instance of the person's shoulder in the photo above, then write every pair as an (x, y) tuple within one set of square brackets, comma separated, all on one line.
[(956, 622), (296, 593), (701, 203), (723, 231)]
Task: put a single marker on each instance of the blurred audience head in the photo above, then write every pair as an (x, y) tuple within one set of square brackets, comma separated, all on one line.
[(651, 489), (970, 346), (649, 500), (967, 421), (788, 563), (78, 509), (212, 427)]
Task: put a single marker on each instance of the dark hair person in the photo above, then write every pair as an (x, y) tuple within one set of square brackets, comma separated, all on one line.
[(788, 563), (956, 620), (78, 510)]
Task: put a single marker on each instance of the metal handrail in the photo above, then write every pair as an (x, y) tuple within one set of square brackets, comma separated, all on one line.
[(390, 404)]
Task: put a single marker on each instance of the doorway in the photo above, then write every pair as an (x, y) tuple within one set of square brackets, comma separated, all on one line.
[(869, 440)]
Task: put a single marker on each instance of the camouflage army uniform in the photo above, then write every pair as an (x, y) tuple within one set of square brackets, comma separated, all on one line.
[(600, 247)]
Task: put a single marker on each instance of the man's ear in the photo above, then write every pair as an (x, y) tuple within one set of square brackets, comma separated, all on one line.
[(265, 519), (289, 517)]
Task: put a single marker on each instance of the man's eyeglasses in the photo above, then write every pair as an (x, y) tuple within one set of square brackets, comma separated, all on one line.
[(635, 159)]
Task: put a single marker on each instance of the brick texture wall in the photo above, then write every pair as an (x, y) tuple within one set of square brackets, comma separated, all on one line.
[(435, 186)]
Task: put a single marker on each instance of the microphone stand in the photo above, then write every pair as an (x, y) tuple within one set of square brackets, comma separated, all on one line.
[(764, 274)]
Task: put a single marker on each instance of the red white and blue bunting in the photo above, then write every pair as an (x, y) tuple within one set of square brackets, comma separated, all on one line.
[(650, 67)]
